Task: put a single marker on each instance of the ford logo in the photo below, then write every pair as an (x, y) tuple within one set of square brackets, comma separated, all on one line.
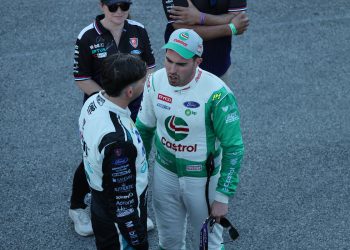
[(191, 104)]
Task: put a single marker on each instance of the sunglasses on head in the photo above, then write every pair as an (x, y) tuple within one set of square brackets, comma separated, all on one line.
[(114, 7)]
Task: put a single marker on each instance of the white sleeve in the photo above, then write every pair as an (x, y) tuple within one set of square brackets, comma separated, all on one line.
[(146, 114)]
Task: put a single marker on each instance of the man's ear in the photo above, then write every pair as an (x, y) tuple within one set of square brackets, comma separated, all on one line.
[(199, 60), (129, 91)]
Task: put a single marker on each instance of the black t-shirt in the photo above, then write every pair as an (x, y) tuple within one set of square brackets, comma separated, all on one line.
[(95, 43), (216, 53)]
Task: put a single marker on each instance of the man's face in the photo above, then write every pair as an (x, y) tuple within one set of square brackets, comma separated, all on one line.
[(180, 71)]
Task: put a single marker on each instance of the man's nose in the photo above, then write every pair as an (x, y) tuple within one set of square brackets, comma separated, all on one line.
[(172, 68)]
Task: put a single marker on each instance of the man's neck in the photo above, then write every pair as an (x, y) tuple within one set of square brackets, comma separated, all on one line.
[(119, 101)]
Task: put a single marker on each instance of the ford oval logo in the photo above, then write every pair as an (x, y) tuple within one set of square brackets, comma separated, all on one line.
[(191, 104)]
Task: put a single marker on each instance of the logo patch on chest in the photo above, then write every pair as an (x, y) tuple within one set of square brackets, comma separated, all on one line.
[(165, 98), (134, 41)]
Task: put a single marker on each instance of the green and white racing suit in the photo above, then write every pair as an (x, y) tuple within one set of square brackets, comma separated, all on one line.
[(189, 123)]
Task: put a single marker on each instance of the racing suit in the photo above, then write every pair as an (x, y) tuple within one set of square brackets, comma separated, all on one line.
[(116, 169), (189, 123)]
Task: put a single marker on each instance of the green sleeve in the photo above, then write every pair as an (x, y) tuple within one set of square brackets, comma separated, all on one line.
[(226, 123), (146, 134)]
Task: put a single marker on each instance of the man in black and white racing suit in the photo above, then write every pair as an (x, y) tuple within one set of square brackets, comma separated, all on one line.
[(114, 157)]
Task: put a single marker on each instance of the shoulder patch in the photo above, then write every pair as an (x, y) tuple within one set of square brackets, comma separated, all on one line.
[(218, 95)]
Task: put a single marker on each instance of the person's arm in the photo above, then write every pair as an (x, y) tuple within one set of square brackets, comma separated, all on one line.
[(119, 183), (240, 22), (208, 26), (226, 122), (82, 67), (192, 16), (147, 55)]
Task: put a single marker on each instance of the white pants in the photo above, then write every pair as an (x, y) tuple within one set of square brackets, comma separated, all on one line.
[(176, 199)]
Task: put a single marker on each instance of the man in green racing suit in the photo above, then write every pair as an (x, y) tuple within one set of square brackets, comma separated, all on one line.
[(192, 114)]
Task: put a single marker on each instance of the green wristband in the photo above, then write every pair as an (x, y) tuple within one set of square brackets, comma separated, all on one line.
[(233, 28)]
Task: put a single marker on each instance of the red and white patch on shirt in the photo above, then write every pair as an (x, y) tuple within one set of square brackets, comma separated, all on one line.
[(134, 41)]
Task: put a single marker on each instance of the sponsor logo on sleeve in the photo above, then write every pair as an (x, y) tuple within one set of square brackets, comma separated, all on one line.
[(216, 96), (100, 100), (91, 108), (228, 180), (231, 117), (228, 108)]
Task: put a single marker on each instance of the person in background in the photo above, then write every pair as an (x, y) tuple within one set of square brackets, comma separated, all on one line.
[(109, 34), (196, 123), (216, 21)]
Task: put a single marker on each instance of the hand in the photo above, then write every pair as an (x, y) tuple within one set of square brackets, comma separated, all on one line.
[(241, 22), (185, 15), (218, 210)]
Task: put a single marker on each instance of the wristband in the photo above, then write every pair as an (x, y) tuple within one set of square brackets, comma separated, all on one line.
[(202, 18), (233, 28)]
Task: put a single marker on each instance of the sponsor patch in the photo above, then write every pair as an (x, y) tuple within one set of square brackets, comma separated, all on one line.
[(163, 106), (135, 52), (231, 117), (118, 152), (165, 98), (144, 167), (192, 168), (122, 212), (134, 41), (124, 197), (189, 112), (102, 55), (216, 96), (91, 108), (233, 162), (228, 108), (124, 188), (191, 104), (176, 127), (120, 161), (100, 100)]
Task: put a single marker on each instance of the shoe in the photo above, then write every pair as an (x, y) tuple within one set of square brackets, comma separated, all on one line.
[(82, 221), (150, 225)]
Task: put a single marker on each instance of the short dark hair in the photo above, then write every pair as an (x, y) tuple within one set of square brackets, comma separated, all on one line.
[(119, 71)]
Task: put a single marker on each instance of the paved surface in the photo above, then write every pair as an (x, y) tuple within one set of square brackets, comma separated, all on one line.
[(291, 73)]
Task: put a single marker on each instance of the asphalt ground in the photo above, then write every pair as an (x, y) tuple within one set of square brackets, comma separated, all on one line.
[(291, 75)]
